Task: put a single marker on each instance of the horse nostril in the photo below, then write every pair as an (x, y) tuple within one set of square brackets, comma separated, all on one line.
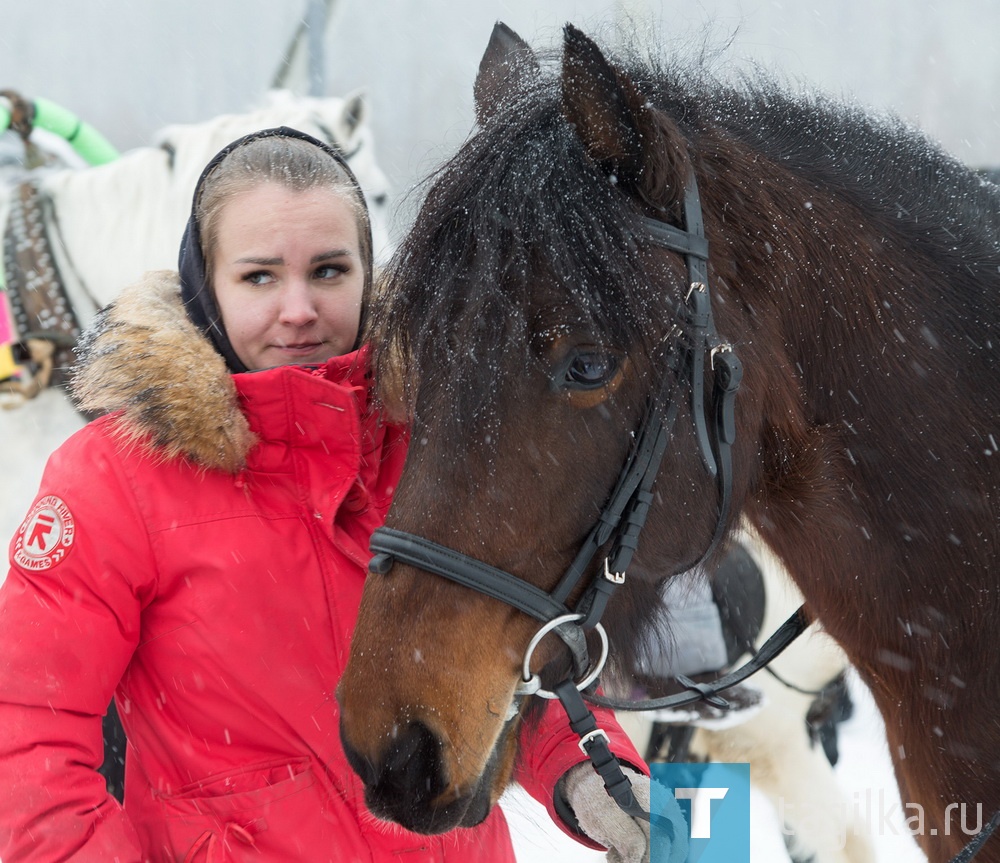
[(407, 775), (411, 766), (359, 763)]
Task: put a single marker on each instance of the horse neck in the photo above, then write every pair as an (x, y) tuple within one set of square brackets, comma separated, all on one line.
[(853, 337), (118, 220)]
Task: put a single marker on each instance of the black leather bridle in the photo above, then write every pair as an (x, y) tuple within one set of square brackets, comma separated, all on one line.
[(623, 516)]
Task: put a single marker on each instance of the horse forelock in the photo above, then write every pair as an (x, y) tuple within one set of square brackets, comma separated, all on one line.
[(516, 227)]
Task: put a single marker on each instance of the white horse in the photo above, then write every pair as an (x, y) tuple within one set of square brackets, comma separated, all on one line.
[(109, 224), (786, 763), (118, 220)]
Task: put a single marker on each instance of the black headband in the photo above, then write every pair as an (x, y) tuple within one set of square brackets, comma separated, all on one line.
[(199, 300)]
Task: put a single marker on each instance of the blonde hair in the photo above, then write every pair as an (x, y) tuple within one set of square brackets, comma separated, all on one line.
[(294, 163)]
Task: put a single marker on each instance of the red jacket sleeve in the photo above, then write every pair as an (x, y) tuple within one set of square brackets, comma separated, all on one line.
[(69, 623), (549, 748)]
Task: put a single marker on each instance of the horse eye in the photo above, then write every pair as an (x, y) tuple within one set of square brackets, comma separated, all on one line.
[(590, 370)]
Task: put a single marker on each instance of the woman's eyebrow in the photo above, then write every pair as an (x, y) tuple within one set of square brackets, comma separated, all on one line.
[(277, 262), (264, 262), (333, 253)]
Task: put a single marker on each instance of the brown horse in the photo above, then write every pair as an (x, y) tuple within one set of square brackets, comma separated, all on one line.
[(534, 313)]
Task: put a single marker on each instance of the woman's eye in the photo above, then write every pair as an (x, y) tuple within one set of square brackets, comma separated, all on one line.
[(259, 277), (328, 271), (590, 369)]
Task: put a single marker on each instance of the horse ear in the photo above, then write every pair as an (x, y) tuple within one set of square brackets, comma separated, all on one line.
[(616, 127), (354, 113), (507, 63)]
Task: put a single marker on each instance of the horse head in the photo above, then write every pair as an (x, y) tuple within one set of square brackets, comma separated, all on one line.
[(532, 319)]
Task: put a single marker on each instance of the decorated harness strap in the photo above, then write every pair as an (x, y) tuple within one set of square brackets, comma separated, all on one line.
[(43, 318)]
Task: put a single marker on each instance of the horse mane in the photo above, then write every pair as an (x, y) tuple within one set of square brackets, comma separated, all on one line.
[(888, 167), (518, 198)]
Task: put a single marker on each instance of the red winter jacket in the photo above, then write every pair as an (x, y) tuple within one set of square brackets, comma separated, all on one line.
[(216, 601)]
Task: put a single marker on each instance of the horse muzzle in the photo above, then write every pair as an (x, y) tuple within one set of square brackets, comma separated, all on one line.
[(407, 783), (435, 748)]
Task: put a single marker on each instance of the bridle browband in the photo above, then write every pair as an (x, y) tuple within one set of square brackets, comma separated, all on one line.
[(622, 518)]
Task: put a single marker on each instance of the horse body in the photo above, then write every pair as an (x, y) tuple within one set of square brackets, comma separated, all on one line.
[(855, 270), (115, 221), (878, 486)]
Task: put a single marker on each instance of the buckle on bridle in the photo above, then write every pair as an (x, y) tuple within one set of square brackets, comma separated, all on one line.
[(695, 286), (613, 577), (590, 736), (718, 349)]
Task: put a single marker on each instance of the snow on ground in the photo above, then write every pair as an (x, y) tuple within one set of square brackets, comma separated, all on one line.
[(864, 771)]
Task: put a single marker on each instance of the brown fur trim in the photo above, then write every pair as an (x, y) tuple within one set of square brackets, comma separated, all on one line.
[(144, 357)]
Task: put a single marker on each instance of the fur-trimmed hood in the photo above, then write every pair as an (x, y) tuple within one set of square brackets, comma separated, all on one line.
[(144, 357)]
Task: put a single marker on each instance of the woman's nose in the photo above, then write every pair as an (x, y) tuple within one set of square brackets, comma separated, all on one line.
[(297, 305)]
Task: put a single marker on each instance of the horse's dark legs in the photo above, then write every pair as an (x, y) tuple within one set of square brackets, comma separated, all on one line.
[(831, 707), (674, 739)]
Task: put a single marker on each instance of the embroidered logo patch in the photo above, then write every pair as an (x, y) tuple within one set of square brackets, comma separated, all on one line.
[(45, 536)]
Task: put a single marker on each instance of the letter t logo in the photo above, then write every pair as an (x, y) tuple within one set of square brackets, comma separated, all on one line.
[(701, 808)]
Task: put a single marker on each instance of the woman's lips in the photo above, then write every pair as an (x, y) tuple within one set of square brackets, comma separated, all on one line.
[(300, 346)]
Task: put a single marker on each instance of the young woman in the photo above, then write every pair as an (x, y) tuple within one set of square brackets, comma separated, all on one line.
[(199, 553)]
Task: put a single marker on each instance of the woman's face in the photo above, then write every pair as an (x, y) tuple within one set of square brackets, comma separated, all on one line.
[(288, 275)]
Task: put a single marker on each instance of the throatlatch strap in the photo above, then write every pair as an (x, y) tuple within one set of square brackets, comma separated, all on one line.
[(697, 310), (728, 376)]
